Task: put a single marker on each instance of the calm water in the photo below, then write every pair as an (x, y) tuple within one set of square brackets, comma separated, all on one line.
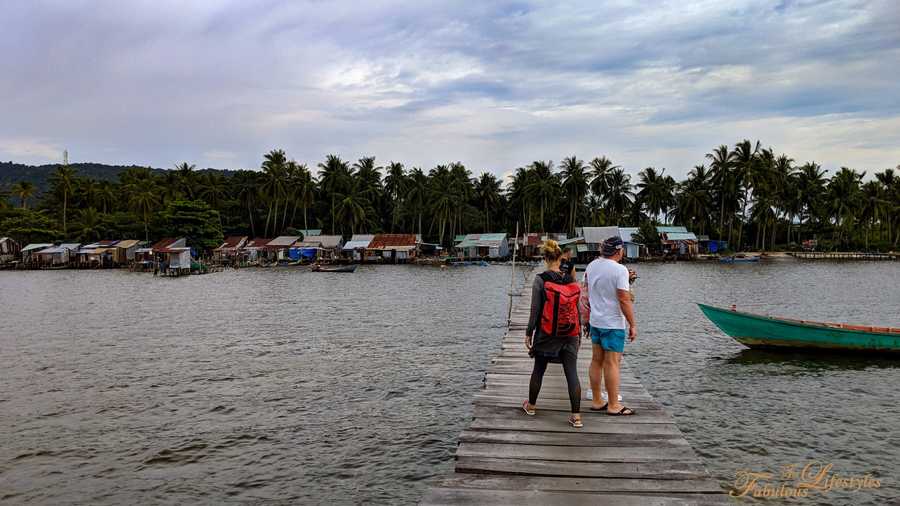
[(283, 384)]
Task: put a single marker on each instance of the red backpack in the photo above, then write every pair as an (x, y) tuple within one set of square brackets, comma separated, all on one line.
[(559, 317)]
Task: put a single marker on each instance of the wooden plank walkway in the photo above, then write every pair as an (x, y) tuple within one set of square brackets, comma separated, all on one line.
[(506, 457)]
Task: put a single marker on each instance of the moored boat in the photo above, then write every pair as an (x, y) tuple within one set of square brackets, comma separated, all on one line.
[(757, 331), (335, 268), (739, 259)]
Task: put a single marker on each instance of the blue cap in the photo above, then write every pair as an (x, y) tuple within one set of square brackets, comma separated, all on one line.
[(611, 245)]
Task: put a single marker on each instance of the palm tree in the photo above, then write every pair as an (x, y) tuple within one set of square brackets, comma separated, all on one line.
[(461, 191), (185, 176), (305, 191), (248, 194), (273, 188), (873, 206), (143, 200), (417, 194), (575, 188), (88, 225), (843, 199), (890, 185), (352, 205), (657, 192), (601, 171), (395, 188), (24, 190), (106, 196), (620, 197), (744, 157), (811, 190), (334, 177), (369, 176), (442, 202), (543, 187), (694, 198), (62, 182), (488, 196), (720, 169)]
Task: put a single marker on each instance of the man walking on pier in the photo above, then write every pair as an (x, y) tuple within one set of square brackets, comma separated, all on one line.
[(611, 308)]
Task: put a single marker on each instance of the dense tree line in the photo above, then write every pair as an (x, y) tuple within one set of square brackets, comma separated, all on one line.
[(745, 194)]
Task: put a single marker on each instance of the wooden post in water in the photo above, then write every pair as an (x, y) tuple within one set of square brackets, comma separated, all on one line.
[(512, 276)]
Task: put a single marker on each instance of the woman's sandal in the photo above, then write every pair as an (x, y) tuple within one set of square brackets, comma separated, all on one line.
[(625, 411), (575, 422), (529, 412), (601, 408)]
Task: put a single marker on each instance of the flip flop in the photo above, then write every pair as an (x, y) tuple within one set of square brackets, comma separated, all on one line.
[(601, 408), (526, 410), (625, 411), (575, 422)]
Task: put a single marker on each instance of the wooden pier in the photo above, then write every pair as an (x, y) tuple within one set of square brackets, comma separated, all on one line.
[(843, 255), (507, 457)]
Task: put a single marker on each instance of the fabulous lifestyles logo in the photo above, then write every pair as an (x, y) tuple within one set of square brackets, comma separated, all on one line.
[(798, 481)]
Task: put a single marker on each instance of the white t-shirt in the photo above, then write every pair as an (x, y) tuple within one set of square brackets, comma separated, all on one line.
[(603, 277)]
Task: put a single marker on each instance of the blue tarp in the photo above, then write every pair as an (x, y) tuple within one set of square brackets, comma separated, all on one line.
[(294, 253), (308, 252)]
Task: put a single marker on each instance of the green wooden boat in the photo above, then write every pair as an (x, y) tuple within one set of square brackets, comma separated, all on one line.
[(756, 331)]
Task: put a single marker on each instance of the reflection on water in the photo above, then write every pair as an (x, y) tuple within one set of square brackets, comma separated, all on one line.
[(121, 388), (260, 384), (814, 361), (759, 410)]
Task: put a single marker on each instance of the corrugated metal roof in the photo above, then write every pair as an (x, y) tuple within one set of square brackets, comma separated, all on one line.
[(574, 240), (678, 236), (392, 241), (127, 243), (324, 241), (37, 246), (71, 246), (162, 243), (482, 241), (665, 229), (459, 238), (596, 235), (359, 241), (311, 232), (257, 242), (283, 241), (627, 233), (233, 241)]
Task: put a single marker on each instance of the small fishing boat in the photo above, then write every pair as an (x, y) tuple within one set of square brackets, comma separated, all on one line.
[(757, 331), (739, 259), (335, 268)]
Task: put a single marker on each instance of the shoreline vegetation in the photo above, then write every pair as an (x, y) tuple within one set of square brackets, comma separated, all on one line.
[(747, 195)]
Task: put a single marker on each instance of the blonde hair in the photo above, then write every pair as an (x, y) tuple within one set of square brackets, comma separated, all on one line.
[(551, 251)]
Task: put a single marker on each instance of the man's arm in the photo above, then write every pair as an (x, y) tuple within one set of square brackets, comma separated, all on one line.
[(627, 310)]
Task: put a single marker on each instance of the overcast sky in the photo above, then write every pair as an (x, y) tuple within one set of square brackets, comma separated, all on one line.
[(494, 85)]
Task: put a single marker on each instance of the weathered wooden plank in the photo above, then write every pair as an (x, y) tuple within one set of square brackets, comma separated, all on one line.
[(624, 453), (558, 424), (506, 457), (569, 438), (592, 417), (561, 403), (660, 470), (446, 496), (564, 484)]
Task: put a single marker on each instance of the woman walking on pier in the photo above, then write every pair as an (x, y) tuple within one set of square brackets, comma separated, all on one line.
[(554, 329)]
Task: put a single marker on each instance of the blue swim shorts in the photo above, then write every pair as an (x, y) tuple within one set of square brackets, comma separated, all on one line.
[(609, 339)]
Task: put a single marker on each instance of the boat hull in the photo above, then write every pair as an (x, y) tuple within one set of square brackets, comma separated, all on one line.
[(756, 331)]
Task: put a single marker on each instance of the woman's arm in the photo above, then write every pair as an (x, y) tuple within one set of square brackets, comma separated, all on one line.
[(537, 304)]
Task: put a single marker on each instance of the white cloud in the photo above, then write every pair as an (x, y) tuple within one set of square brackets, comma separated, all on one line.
[(494, 84)]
